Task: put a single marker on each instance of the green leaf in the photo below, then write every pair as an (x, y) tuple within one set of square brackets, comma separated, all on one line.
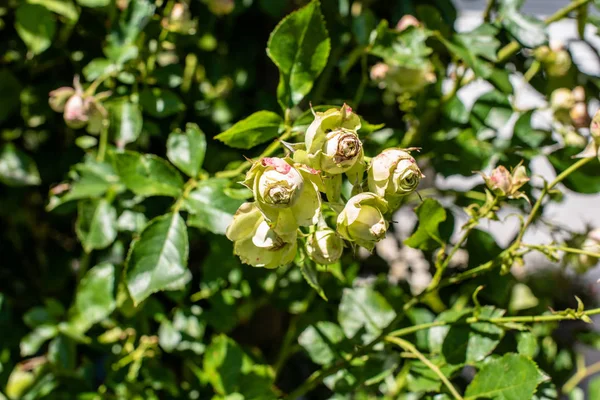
[(527, 344), (526, 136), (99, 67), (160, 103), (17, 168), (125, 122), (466, 343), (491, 110), (131, 221), (10, 89), (427, 236), (363, 307), (584, 180), (512, 377), (96, 224), (61, 352), (407, 48), (66, 8), (31, 343), (95, 298), (93, 3), (527, 30), (229, 370), (594, 388), (210, 207), (148, 175), (158, 258), (299, 46), (321, 342), (481, 41), (184, 332), (311, 277), (186, 150), (258, 128), (35, 25), (90, 179)]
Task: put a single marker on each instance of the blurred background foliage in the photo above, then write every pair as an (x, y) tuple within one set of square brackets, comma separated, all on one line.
[(75, 201)]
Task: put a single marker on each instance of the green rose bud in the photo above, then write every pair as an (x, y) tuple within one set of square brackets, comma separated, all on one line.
[(332, 143), (324, 246), (393, 172), (256, 242), (362, 220), (286, 193), (591, 244), (562, 99)]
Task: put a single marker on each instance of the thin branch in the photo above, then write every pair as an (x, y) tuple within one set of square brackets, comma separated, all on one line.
[(541, 247), (580, 375), (412, 349)]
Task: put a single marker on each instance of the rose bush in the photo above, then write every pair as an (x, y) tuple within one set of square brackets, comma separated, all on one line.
[(185, 216)]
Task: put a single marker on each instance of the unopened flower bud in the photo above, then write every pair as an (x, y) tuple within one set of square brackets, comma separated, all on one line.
[(595, 126), (75, 114), (579, 94), (394, 172), (579, 115), (324, 246), (256, 243), (331, 140), (562, 99), (221, 7), (505, 184), (406, 21), (280, 186), (542, 53), (379, 71), (560, 64), (59, 97), (592, 245), (362, 220)]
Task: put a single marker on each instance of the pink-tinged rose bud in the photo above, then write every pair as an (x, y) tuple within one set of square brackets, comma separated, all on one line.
[(406, 21), (499, 181), (324, 246), (75, 114), (393, 173), (579, 115), (362, 220), (505, 184), (379, 71), (59, 97)]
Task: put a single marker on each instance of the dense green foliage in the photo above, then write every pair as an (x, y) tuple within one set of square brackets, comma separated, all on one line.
[(125, 127)]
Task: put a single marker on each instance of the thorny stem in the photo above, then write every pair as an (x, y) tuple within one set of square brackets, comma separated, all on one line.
[(498, 321), (545, 191), (412, 349), (580, 375), (542, 247), (246, 164)]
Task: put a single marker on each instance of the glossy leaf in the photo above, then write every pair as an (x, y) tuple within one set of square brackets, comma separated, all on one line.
[(481, 41), (210, 207), (512, 377), (187, 150), (309, 272), (529, 31), (321, 342), (96, 224), (17, 168), (584, 180), (427, 236), (258, 128), (35, 25), (158, 258), (125, 122), (299, 46), (95, 297), (94, 3), (160, 103), (364, 308), (66, 8), (148, 175)]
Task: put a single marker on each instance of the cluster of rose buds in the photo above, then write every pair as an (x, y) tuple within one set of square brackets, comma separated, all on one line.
[(293, 193), (555, 59), (507, 184), (569, 106), (78, 107)]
